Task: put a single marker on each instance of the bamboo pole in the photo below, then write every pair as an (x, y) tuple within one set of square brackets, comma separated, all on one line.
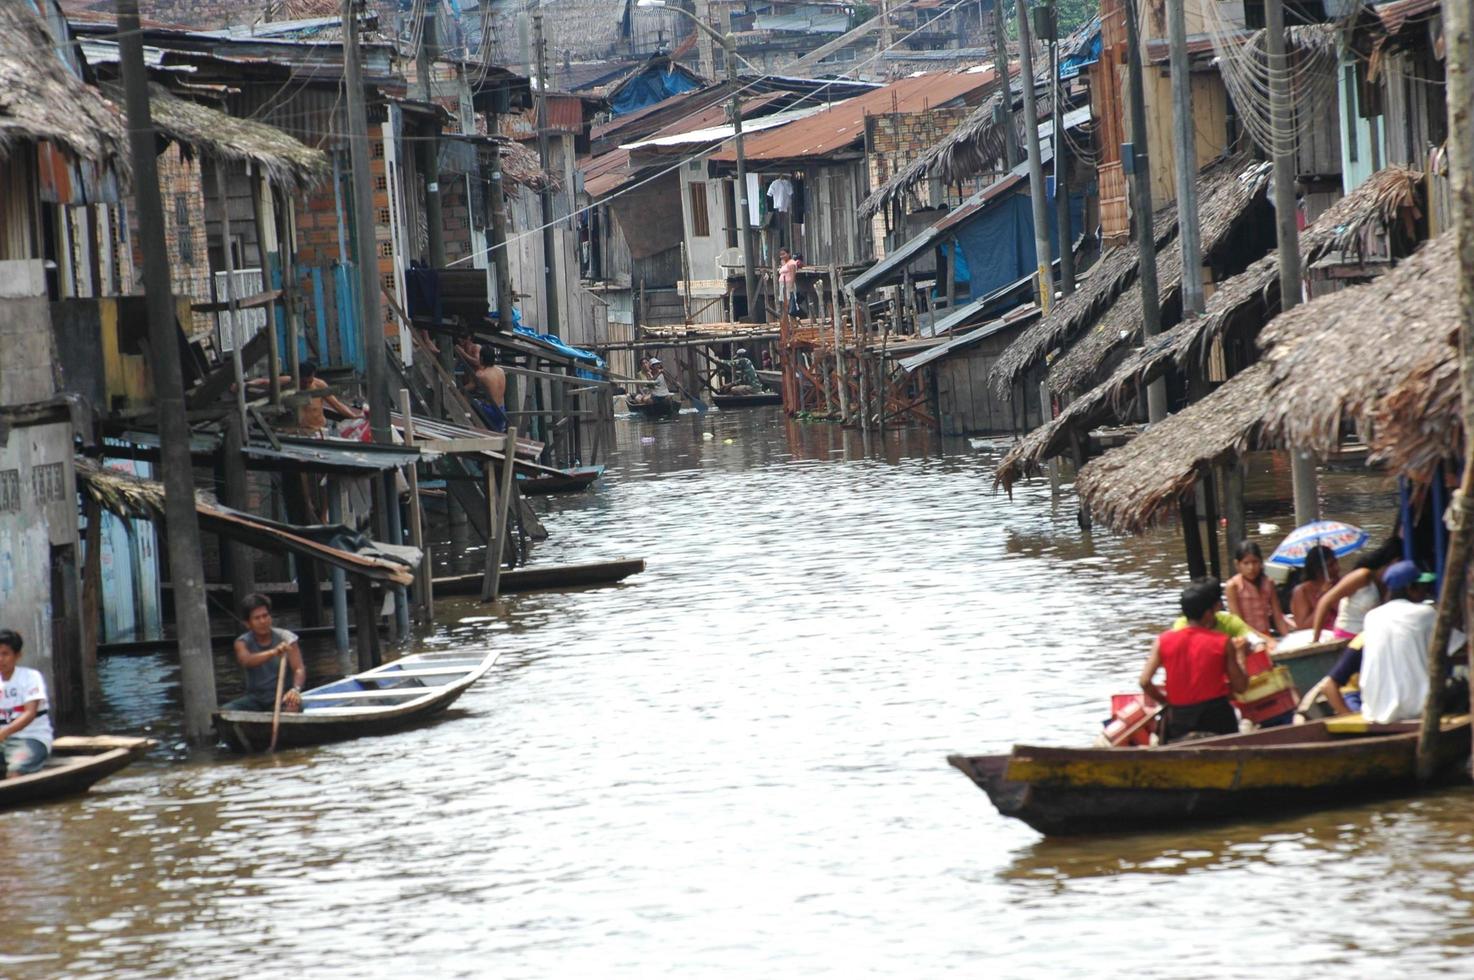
[(424, 579), (1458, 23), (844, 382)]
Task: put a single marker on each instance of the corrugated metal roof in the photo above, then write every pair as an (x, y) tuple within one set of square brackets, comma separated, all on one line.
[(715, 134), (843, 124), (803, 23), (1012, 318)]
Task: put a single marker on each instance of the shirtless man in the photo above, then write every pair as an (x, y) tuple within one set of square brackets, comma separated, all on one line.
[(489, 390), (311, 420)]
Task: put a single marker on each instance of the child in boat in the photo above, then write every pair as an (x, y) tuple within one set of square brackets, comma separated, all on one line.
[(25, 728), (1202, 668), (256, 651), (1252, 596)]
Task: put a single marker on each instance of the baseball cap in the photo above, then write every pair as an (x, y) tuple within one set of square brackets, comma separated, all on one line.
[(1401, 574)]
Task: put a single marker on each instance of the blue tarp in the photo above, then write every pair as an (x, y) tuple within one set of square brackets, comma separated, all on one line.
[(998, 243), (650, 86)]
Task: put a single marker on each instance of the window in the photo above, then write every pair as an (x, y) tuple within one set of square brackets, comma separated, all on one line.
[(700, 222), (182, 229)]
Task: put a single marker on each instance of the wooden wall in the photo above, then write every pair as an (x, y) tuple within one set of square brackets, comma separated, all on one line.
[(966, 403)]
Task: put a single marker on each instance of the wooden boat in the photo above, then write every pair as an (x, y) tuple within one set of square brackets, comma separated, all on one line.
[(1310, 664), (573, 480), (748, 401), (657, 408), (545, 577), (1264, 773), (76, 762), (387, 699)]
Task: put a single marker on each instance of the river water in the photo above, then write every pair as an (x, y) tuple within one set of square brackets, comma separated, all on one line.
[(734, 765)]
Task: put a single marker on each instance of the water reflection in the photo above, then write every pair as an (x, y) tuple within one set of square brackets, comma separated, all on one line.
[(734, 763)]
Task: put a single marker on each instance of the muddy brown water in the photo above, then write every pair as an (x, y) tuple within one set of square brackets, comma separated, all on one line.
[(734, 765)]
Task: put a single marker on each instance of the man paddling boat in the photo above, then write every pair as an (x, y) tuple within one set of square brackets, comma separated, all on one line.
[(257, 650)]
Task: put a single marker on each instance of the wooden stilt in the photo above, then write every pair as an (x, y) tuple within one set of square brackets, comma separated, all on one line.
[(424, 580), (499, 498)]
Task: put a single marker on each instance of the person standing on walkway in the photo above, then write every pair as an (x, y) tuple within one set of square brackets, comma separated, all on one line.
[(25, 725)]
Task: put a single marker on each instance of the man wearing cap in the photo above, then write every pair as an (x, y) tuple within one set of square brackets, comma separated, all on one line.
[(1394, 656), (744, 375)]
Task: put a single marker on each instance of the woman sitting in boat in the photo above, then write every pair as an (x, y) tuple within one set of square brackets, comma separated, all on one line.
[(1202, 668), (1322, 572), (1358, 592), (1251, 595), (257, 650), (659, 386), (25, 728)]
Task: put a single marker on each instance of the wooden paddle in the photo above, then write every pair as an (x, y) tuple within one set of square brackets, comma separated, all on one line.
[(281, 680)]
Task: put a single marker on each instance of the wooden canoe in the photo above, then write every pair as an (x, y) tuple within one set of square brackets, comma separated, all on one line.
[(1062, 791), (567, 481), (76, 762), (545, 577), (1310, 664), (390, 698), (748, 401), (659, 408)]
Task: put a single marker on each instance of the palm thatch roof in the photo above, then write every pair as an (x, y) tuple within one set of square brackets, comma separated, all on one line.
[(286, 161), (1227, 193), (40, 99), (968, 152), (1115, 270), (1238, 306), (521, 166), (1384, 354)]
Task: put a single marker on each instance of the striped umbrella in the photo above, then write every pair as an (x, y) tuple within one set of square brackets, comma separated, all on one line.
[(1340, 538)]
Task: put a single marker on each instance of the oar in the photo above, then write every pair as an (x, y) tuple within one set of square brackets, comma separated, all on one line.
[(281, 680)]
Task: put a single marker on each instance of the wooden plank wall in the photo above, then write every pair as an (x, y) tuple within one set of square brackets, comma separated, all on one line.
[(966, 402)]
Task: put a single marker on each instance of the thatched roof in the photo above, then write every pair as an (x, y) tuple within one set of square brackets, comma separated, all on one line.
[(968, 152), (1226, 194), (1384, 354), (40, 99), (1115, 270), (286, 161), (1238, 306), (521, 166)]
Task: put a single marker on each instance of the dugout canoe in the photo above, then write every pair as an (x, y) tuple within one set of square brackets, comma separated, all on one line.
[(574, 480), (1266, 773), (659, 408), (748, 401), (75, 764), (545, 577), (407, 692)]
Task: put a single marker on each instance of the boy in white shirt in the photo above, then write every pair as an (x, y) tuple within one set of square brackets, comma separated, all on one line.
[(25, 726)]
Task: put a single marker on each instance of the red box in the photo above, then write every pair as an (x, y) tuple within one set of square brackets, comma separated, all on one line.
[(1257, 662), (1270, 707), (1128, 712)]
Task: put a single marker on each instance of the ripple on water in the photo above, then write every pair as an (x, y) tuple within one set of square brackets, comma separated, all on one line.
[(734, 764)]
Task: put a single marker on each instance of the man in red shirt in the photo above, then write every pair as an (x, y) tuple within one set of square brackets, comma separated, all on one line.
[(1201, 669)]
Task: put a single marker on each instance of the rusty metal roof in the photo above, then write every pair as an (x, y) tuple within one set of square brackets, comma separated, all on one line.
[(843, 124)]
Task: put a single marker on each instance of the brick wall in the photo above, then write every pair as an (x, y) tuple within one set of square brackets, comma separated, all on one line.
[(897, 139), (182, 189)]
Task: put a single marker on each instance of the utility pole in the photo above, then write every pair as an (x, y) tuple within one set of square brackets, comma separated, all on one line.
[(545, 196), (505, 300), (1005, 86), (1136, 158), (1186, 152), (1036, 166), (430, 148), (386, 494), (1281, 116), (1061, 161), (186, 569), (1458, 30), (756, 313)]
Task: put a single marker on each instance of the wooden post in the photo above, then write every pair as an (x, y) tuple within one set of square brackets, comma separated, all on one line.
[(339, 577), (265, 228), (91, 606), (234, 493), (287, 251), (367, 615), (1192, 538), (424, 579), (237, 334), (844, 383), (1458, 27), (186, 569), (497, 499)]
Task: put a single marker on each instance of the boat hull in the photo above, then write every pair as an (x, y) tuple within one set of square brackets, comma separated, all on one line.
[(570, 481), (1060, 791), (748, 401), (250, 731), (660, 408), (537, 577), (76, 764)]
